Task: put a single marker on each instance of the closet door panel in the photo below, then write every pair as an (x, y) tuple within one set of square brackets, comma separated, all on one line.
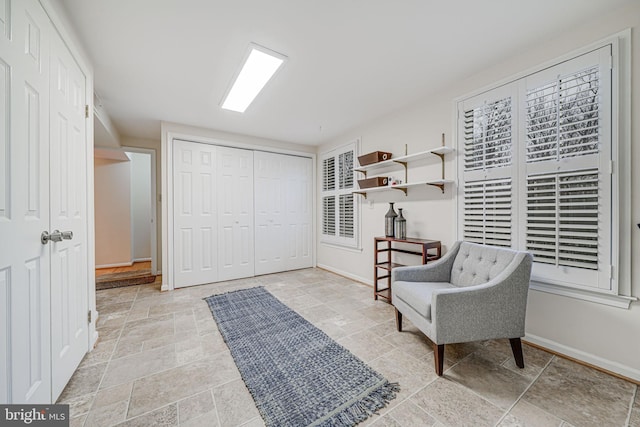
[(283, 212), (194, 213), (270, 233), (235, 213)]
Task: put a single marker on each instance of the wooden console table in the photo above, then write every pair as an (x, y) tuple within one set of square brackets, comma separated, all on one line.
[(429, 250)]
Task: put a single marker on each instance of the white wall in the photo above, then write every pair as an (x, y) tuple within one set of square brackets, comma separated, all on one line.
[(140, 206), (112, 212), (598, 334)]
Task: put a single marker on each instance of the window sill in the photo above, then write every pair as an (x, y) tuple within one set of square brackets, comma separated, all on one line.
[(619, 301), (354, 249)]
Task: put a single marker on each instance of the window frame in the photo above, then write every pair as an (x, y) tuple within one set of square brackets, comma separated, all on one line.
[(619, 294), (336, 239)]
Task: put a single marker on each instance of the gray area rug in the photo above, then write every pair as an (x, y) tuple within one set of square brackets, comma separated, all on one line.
[(297, 375)]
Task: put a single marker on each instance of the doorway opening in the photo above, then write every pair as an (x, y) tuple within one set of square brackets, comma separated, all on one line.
[(125, 216)]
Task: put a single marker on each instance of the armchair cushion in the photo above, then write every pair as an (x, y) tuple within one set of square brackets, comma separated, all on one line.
[(417, 295), (477, 264)]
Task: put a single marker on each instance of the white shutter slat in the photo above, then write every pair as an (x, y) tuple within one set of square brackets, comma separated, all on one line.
[(328, 174), (346, 215), (487, 136), (562, 117), (329, 215), (488, 212), (568, 203)]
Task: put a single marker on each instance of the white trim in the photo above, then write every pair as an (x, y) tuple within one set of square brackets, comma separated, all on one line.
[(166, 154), (613, 300), (589, 358), (154, 205), (117, 264), (235, 144), (140, 260), (341, 247), (346, 274)]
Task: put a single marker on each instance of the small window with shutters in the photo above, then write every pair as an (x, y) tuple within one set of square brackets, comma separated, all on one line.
[(535, 170), (339, 206)]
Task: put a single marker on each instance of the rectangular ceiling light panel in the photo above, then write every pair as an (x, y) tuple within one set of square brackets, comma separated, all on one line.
[(259, 67)]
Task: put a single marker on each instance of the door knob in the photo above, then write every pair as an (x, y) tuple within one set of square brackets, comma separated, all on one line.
[(56, 236)]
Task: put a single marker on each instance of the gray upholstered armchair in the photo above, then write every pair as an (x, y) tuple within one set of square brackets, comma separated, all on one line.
[(474, 292)]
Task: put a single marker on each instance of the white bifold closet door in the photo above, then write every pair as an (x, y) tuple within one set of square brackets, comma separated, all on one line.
[(283, 209), (195, 194), (238, 213), (235, 213)]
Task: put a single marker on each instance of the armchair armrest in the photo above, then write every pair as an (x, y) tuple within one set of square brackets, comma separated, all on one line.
[(437, 271), (495, 309)]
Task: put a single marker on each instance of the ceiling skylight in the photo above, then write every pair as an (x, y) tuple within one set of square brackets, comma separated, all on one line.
[(259, 66)]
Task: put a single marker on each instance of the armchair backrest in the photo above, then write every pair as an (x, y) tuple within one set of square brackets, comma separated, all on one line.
[(477, 264)]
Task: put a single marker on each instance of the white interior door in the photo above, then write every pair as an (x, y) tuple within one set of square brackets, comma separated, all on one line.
[(68, 190), (25, 370), (235, 213), (283, 212), (194, 213)]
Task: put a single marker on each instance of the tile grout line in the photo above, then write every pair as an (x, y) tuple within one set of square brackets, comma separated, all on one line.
[(633, 399), (533, 381)]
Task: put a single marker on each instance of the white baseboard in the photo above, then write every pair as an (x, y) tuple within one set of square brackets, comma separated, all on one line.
[(141, 260), (607, 365), (120, 264), (346, 274)]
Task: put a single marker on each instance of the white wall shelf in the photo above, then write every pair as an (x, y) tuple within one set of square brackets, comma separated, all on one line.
[(440, 183), (402, 162)]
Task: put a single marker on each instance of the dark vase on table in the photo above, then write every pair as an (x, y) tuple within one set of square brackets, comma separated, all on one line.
[(400, 226), (389, 221)]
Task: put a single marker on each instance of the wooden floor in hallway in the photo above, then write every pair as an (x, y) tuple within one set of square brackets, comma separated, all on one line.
[(143, 265)]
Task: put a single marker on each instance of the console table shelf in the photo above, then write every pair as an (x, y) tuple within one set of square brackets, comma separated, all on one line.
[(428, 250)]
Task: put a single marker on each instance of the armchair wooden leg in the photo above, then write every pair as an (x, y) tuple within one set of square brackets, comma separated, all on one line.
[(516, 347), (438, 355), (398, 320)]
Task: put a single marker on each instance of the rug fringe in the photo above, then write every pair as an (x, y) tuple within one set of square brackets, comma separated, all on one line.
[(365, 407)]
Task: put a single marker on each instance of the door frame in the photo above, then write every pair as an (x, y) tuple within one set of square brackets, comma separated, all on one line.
[(154, 204), (60, 23), (171, 132)]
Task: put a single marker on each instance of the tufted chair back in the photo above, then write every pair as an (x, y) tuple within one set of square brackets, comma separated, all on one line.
[(477, 264)]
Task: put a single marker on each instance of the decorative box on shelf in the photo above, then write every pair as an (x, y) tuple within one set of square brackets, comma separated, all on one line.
[(375, 157), (373, 182)]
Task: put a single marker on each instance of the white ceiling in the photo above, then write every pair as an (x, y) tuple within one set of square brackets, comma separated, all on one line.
[(349, 61)]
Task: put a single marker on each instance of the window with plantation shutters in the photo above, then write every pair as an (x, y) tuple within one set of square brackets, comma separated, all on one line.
[(535, 173), (339, 207)]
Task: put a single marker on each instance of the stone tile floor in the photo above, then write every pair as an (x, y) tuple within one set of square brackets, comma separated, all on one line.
[(160, 361)]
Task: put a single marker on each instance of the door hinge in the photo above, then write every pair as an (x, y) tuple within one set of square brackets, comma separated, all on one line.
[(611, 167), (86, 111), (89, 316)]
